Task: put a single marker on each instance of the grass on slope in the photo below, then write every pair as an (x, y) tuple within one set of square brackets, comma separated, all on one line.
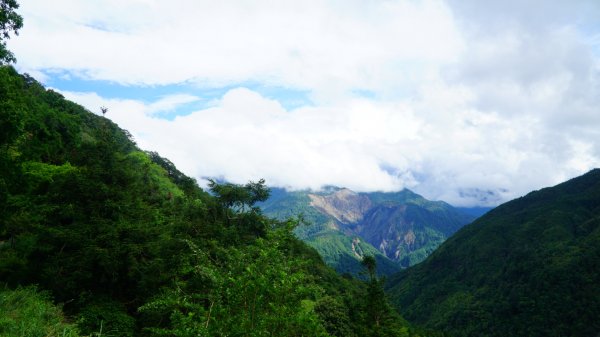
[(26, 312)]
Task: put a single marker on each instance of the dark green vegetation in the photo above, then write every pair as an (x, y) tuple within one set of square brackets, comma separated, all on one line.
[(530, 267), (129, 246), (400, 229)]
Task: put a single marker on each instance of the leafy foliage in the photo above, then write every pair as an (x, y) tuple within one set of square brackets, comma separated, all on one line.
[(257, 291), (10, 21)]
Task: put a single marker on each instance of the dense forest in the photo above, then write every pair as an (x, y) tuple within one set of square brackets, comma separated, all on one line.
[(529, 267), (100, 238)]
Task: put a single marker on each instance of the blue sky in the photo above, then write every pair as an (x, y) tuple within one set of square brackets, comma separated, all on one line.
[(471, 102), (63, 81)]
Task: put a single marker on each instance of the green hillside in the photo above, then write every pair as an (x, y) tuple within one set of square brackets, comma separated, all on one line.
[(333, 247), (282, 205), (411, 224), (530, 267), (99, 238)]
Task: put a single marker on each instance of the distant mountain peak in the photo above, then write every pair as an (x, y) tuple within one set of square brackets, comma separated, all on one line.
[(402, 226)]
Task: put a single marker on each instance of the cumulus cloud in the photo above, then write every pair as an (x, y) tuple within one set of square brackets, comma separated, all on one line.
[(470, 102), (247, 136), (170, 103), (469, 158)]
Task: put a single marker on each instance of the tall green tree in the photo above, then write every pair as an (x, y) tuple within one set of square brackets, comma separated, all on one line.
[(10, 22), (380, 317), (237, 204), (376, 302), (370, 264)]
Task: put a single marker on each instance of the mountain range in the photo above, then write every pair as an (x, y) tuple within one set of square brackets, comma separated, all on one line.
[(400, 229)]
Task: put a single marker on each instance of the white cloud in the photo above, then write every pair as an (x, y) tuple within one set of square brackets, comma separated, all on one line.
[(467, 101), (171, 102), (286, 43)]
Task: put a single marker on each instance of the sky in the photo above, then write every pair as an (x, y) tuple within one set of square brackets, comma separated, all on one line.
[(467, 101)]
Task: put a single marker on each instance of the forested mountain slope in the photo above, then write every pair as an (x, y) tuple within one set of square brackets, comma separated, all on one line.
[(530, 267), (400, 229), (130, 246)]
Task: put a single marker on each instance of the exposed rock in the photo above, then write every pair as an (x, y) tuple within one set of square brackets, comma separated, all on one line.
[(356, 248), (409, 237), (344, 205), (405, 232)]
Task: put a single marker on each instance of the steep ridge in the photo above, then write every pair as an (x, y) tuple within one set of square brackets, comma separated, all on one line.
[(397, 232), (530, 267)]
